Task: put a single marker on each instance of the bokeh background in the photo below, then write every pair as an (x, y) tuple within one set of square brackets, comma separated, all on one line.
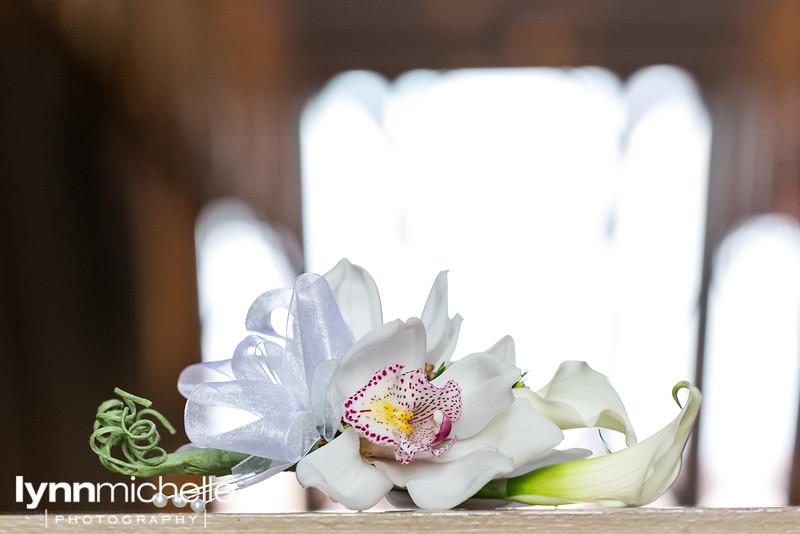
[(121, 122)]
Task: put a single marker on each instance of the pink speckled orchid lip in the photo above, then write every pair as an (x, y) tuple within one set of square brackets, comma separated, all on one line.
[(405, 410)]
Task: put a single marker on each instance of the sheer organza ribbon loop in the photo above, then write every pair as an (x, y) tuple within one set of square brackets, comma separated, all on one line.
[(318, 336), (251, 417), (219, 371), (260, 315), (272, 399)]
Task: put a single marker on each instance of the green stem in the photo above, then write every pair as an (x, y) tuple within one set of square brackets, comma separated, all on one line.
[(214, 462), (494, 489)]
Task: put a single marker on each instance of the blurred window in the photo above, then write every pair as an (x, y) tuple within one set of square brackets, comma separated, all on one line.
[(568, 206), (752, 367)]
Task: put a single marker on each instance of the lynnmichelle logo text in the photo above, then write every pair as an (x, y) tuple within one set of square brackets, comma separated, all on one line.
[(44, 494)]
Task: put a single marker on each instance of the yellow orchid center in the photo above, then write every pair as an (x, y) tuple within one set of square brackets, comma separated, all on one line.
[(388, 414)]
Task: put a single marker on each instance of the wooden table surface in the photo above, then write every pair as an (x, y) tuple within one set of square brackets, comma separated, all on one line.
[(588, 521)]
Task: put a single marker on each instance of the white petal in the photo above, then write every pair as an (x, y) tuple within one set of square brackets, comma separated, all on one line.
[(442, 331), (357, 296), (339, 470), (634, 476), (485, 383), (578, 397), (442, 485), (519, 432), (504, 349), (389, 344)]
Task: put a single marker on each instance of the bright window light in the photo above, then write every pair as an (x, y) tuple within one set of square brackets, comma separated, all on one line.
[(752, 366), (568, 207)]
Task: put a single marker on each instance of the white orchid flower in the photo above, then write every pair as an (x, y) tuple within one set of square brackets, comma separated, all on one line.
[(491, 433), (442, 440)]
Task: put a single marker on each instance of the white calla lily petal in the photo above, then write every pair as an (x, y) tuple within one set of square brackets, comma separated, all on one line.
[(435, 485), (485, 383), (634, 476), (389, 344), (442, 331), (357, 296), (579, 397), (339, 470)]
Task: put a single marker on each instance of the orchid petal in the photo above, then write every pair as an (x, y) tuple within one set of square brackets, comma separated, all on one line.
[(251, 417), (395, 343), (485, 383), (357, 296), (504, 349), (442, 331), (579, 397), (338, 470), (439, 485), (191, 376), (634, 476), (519, 432)]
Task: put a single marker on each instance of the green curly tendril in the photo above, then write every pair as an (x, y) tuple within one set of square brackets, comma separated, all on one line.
[(119, 424)]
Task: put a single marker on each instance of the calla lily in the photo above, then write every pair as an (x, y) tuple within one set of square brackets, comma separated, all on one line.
[(634, 476), (580, 397)]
